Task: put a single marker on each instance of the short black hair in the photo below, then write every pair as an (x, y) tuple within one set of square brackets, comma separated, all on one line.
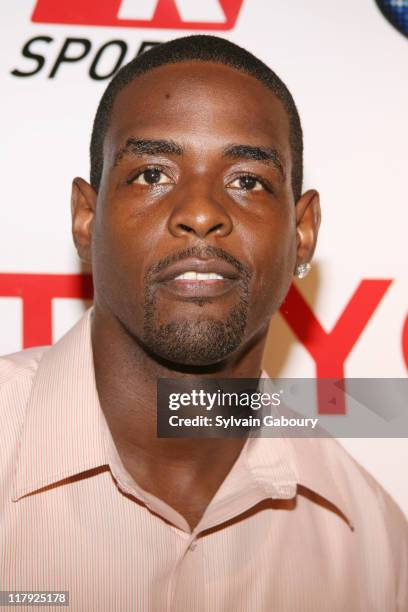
[(201, 48)]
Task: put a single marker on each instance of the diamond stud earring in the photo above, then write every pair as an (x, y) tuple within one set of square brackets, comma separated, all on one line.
[(302, 269)]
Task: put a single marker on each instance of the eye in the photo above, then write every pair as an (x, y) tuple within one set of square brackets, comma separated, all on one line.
[(151, 176), (246, 182)]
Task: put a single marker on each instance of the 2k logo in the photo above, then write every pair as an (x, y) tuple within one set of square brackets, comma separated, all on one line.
[(171, 14)]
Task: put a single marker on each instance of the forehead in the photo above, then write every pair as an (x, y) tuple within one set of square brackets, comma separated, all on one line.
[(201, 102)]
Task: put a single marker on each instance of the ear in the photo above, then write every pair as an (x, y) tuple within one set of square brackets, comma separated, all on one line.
[(308, 217), (83, 205)]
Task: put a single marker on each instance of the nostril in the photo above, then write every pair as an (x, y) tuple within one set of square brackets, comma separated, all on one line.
[(185, 227), (213, 229)]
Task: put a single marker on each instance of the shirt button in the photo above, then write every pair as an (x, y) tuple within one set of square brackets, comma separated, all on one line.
[(193, 545)]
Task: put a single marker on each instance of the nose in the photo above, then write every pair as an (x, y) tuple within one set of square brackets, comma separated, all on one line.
[(198, 212)]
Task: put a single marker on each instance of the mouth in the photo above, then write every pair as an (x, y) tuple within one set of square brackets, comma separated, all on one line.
[(199, 287), (199, 278)]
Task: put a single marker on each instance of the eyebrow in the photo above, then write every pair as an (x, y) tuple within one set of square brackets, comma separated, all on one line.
[(141, 146), (267, 155)]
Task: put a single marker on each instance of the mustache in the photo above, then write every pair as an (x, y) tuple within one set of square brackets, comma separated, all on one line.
[(205, 252)]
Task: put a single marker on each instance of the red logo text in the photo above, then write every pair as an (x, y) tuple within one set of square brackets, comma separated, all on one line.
[(169, 14)]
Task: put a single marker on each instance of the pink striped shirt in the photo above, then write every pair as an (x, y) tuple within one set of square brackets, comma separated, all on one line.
[(297, 525)]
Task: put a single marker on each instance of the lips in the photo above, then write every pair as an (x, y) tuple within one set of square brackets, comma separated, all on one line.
[(215, 266), (197, 278)]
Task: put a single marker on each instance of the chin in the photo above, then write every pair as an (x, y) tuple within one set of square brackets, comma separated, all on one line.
[(195, 343)]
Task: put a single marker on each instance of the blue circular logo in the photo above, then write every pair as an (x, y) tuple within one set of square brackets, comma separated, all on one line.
[(396, 12)]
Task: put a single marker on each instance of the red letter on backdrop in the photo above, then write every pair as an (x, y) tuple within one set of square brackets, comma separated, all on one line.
[(37, 292), (166, 14), (331, 349)]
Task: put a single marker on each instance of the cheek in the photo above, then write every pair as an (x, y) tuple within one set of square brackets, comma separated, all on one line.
[(275, 264), (119, 252), (122, 233)]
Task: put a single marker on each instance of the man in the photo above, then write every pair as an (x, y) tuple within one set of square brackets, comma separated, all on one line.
[(194, 223)]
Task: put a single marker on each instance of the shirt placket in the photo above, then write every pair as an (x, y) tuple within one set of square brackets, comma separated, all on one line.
[(186, 588)]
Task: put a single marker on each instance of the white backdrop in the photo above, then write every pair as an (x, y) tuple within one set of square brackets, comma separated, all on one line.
[(346, 67)]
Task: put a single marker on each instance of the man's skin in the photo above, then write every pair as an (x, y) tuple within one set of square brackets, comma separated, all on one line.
[(143, 329)]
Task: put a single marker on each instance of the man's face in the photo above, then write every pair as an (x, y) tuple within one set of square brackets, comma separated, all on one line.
[(196, 178)]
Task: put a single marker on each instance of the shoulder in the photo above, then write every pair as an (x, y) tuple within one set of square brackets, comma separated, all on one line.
[(355, 476), (17, 373), (363, 491), (378, 517), (20, 365)]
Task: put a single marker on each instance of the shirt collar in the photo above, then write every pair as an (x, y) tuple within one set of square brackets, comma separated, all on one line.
[(315, 464), (63, 430), (65, 433)]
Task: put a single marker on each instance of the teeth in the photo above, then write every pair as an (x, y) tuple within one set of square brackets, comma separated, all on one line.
[(199, 276)]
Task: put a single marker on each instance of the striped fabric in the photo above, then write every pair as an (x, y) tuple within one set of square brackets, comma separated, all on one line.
[(296, 526)]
